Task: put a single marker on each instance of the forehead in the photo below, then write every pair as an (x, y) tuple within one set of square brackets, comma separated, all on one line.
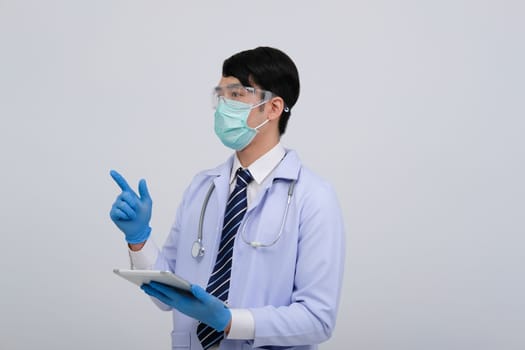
[(228, 81)]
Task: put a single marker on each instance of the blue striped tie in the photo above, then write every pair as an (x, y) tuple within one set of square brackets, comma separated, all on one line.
[(219, 281)]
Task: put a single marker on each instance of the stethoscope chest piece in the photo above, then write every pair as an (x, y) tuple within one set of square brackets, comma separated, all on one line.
[(197, 250)]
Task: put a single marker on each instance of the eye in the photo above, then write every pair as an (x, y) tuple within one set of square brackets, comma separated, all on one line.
[(238, 92)]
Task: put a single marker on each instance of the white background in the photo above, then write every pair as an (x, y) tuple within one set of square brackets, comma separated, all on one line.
[(414, 110)]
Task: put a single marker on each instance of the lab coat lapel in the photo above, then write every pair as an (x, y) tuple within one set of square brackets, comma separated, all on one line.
[(288, 169), (222, 187)]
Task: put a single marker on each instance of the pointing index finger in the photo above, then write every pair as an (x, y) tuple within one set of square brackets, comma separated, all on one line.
[(121, 182)]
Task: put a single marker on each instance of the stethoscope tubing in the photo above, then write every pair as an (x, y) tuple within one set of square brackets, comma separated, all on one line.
[(198, 247)]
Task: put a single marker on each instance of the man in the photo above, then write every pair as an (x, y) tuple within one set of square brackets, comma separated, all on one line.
[(261, 234)]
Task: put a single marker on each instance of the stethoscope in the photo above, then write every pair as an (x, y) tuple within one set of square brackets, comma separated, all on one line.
[(197, 250)]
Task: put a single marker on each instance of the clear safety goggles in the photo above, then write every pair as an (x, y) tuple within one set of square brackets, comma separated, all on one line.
[(239, 93)]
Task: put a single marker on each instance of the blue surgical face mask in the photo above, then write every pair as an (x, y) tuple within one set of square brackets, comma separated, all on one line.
[(231, 123)]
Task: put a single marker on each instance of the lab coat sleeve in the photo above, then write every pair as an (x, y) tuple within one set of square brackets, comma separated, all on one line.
[(165, 259), (144, 259), (310, 318)]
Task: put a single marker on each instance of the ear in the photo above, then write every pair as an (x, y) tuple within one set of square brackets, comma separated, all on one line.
[(276, 105)]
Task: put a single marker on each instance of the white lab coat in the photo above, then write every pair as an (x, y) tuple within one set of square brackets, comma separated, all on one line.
[(291, 288)]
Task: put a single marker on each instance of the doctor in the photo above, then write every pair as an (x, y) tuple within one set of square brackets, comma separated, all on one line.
[(260, 237)]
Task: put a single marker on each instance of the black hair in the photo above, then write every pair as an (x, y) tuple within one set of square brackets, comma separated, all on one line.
[(270, 69)]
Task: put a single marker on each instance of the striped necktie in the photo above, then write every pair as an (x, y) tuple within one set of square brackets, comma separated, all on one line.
[(219, 282)]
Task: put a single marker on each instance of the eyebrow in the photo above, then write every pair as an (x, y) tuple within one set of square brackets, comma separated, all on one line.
[(234, 85), (229, 86)]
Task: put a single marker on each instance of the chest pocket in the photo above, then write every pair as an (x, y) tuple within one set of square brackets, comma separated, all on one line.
[(180, 340)]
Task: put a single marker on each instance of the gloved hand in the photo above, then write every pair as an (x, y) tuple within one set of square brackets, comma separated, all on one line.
[(199, 305), (130, 212)]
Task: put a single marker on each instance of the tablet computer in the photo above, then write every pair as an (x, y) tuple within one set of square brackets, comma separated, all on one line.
[(140, 277)]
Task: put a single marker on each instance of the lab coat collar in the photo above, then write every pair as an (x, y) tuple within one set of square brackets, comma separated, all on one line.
[(288, 168)]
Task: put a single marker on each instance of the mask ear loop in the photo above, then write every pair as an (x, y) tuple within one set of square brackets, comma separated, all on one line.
[(264, 122), (286, 109), (261, 125)]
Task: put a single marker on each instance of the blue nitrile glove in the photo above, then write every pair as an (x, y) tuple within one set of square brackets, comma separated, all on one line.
[(201, 305), (130, 212)]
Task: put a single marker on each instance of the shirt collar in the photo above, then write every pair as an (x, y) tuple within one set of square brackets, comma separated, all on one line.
[(262, 167)]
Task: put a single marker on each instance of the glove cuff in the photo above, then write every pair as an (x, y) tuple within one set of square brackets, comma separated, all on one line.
[(142, 237), (223, 320)]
